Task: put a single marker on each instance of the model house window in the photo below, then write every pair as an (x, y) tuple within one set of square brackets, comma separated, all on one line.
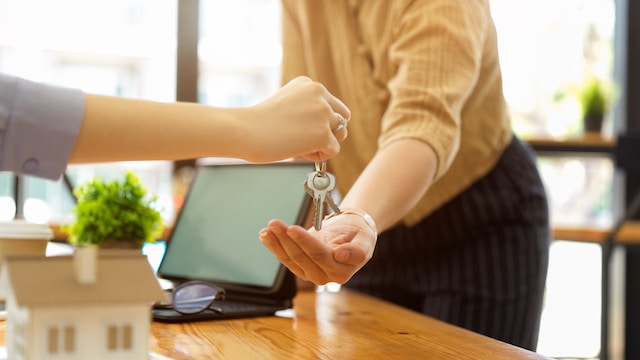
[(52, 340), (61, 340), (127, 337), (119, 337), (69, 339)]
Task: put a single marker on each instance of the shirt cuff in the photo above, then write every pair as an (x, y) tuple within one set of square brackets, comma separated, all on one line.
[(39, 126)]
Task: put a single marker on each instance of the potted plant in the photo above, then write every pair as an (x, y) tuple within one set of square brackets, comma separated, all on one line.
[(595, 98), (117, 213)]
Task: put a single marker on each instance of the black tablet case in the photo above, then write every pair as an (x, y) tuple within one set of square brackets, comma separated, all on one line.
[(238, 305)]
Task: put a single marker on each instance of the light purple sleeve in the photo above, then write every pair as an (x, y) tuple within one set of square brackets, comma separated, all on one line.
[(39, 124)]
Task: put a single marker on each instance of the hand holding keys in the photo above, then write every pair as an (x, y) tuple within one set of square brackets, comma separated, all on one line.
[(320, 183)]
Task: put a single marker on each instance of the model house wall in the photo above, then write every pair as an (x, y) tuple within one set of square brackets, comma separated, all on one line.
[(84, 306)]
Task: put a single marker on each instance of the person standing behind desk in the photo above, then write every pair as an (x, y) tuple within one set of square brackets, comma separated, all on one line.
[(431, 165), (44, 127)]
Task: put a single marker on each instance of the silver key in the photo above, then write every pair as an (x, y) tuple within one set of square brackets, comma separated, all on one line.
[(321, 169), (319, 184), (332, 204)]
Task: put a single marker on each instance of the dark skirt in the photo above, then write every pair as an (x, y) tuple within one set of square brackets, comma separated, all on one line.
[(479, 262)]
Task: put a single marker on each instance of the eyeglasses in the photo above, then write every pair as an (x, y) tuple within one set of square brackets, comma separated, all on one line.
[(194, 297)]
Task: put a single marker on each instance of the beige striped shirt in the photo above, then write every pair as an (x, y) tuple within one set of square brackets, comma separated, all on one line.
[(426, 70)]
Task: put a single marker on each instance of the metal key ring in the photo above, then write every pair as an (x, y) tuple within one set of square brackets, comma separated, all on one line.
[(321, 167)]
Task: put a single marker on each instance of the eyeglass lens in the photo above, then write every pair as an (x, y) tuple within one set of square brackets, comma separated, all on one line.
[(193, 298)]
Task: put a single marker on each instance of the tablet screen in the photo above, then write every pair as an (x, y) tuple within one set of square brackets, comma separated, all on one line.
[(215, 237)]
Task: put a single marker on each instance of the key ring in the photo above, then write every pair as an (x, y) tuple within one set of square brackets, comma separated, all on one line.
[(321, 167)]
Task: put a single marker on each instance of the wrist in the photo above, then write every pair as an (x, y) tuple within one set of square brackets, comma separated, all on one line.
[(368, 219)]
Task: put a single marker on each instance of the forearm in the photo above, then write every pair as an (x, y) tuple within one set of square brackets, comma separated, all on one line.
[(393, 182), (117, 129)]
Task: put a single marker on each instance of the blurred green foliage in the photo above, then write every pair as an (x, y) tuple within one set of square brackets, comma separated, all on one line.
[(595, 98), (117, 210)]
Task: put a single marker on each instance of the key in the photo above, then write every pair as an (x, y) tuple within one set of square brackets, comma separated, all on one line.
[(332, 204), (321, 168), (318, 185)]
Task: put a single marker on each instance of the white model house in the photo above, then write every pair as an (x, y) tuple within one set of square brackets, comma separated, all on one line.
[(84, 306)]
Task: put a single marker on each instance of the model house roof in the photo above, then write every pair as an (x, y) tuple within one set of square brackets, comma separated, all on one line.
[(119, 278)]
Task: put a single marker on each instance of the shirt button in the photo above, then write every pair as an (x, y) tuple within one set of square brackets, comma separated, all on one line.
[(30, 165)]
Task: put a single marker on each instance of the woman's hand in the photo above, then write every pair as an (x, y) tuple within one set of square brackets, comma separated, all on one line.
[(299, 120), (344, 245)]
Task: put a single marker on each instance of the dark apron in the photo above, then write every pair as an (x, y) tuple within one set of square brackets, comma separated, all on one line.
[(480, 261)]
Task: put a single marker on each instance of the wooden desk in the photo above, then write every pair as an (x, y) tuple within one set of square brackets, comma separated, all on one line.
[(326, 325), (342, 325)]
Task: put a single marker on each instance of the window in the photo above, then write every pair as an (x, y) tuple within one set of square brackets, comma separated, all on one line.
[(547, 49), (239, 51), (128, 48), (119, 337), (61, 340), (7, 205), (69, 339), (122, 47), (127, 337), (112, 338), (579, 189), (53, 340)]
